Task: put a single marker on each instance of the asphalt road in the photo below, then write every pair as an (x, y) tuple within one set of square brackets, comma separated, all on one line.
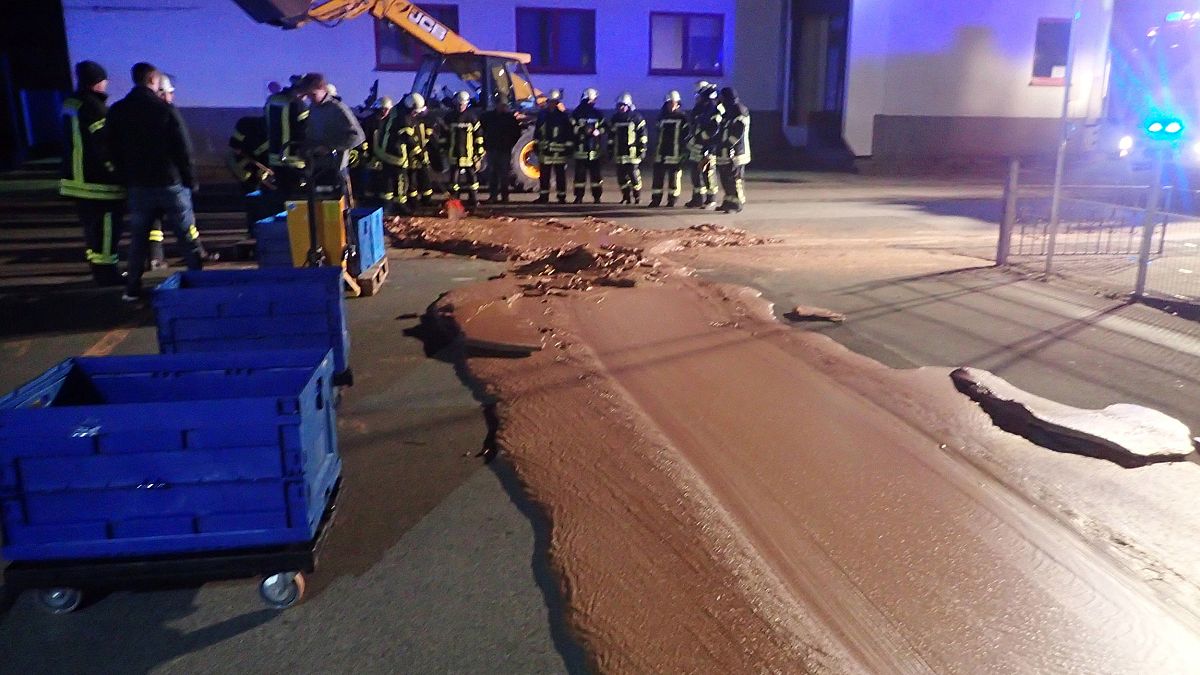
[(435, 564)]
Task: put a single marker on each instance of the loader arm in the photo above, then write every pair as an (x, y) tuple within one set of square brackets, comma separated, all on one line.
[(405, 15)]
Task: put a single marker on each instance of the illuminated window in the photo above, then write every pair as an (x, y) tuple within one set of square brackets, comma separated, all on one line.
[(396, 49), (686, 44), (1051, 51), (559, 40)]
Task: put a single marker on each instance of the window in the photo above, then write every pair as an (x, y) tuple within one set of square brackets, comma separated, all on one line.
[(686, 44), (1050, 51), (560, 40), (396, 49)]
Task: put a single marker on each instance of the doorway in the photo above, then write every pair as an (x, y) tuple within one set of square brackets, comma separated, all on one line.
[(815, 90)]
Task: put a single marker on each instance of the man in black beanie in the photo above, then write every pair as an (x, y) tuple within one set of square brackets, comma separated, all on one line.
[(88, 172)]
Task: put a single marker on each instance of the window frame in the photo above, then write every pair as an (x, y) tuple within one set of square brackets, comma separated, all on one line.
[(717, 72), (1042, 81), (556, 69), (419, 48)]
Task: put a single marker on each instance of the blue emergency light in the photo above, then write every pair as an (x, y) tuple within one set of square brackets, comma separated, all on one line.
[(1164, 128)]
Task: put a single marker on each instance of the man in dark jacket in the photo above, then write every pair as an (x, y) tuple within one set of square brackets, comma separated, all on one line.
[(89, 176), (733, 151), (670, 151), (463, 145), (590, 130), (331, 132), (501, 131), (153, 157), (627, 144), (554, 136)]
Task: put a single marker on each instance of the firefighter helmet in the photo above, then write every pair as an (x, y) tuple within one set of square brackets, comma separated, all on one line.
[(706, 89), (415, 102), (463, 98), (556, 94), (673, 97), (589, 95), (384, 103), (626, 100)]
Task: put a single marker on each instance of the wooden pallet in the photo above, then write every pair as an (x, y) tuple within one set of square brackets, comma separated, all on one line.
[(368, 283)]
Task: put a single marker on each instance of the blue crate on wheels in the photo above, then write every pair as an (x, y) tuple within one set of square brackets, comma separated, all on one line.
[(149, 455), (272, 245), (237, 310), (372, 246)]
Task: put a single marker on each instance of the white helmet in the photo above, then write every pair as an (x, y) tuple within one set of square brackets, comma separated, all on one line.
[(415, 102), (165, 85), (702, 85), (626, 100), (463, 98), (556, 94), (383, 103), (589, 95), (673, 97), (331, 90)]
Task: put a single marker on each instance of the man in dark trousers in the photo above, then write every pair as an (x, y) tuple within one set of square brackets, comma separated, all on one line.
[(706, 120), (554, 137), (627, 144), (89, 175), (153, 157), (590, 130), (733, 151), (463, 145), (670, 151), (422, 146), (501, 131), (286, 115)]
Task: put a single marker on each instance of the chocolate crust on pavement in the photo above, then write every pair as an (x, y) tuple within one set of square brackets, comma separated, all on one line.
[(1128, 435)]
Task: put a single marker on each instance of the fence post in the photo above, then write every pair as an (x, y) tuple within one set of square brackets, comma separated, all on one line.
[(1004, 246), (1149, 222)]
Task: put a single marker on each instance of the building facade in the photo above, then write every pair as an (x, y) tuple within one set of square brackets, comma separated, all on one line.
[(885, 78)]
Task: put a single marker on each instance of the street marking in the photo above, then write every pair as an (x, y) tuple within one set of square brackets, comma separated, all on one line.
[(105, 345)]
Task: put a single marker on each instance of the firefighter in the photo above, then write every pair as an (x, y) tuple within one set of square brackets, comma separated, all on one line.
[(705, 125), (89, 176), (248, 146), (391, 148), (733, 151), (370, 181), (419, 136), (501, 132), (627, 143), (463, 145), (590, 128), (286, 115), (554, 136), (670, 150)]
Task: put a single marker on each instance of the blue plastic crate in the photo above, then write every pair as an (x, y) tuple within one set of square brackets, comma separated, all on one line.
[(372, 244), (147, 455), (238, 310), (272, 246)]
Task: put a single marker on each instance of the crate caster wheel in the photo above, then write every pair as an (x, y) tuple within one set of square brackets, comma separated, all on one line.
[(60, 600), (282, 590)]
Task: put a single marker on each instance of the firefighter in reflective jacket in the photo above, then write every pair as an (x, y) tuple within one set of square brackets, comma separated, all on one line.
[(286, 116), (705, 125), (670, 150), (590, 128), (370, 181), (89, 176), (249, 153), (391, 147), (627, 143), (733, 151), (419, 136), (463, 145), (555, 138)]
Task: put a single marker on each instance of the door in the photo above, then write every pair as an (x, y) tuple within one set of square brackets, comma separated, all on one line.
[(818, 32)]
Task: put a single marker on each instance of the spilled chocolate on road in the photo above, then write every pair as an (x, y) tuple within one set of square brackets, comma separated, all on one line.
[(727, 494)]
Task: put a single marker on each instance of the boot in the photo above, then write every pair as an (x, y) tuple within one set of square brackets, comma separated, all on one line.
[(562, 199), (544, 199), (696, 202), (637, 197), (655, 202), (671, 202), (578, 198), (709, 205), (625, 197)]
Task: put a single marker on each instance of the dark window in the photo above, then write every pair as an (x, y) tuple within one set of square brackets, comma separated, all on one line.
[(1051, 50), (396, 49), (559, 40), (686, 44)]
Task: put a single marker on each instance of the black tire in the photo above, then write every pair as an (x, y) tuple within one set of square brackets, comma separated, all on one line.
[(60, 600)]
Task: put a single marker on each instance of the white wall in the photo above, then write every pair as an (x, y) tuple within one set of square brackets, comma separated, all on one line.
[(955, 58), (221, 58)]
